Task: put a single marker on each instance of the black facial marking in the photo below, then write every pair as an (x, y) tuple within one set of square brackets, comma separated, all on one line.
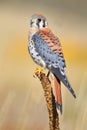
[(39, 20), (43, 23)]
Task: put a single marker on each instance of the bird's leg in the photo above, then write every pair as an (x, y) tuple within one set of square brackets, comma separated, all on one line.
[(38, 71), (48, 73)]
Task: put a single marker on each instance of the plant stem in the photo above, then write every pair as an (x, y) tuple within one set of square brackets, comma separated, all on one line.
[(50, 101)]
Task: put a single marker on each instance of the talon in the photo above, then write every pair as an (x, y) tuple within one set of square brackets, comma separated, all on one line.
[(37, 72)]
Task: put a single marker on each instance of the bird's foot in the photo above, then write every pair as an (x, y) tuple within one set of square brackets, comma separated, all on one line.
[(37, 72), (48, 73)]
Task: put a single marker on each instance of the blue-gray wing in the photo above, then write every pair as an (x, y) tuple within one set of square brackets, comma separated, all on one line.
[(54, 62), (51, 58)]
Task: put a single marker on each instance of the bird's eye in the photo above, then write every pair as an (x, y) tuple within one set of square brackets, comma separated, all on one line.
[(39, 20)]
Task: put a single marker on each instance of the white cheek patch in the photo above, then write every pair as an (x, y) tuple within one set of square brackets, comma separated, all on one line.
[(34, 24), (41, 24)]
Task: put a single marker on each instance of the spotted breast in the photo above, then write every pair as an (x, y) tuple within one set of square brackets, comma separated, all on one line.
[(34, 54)]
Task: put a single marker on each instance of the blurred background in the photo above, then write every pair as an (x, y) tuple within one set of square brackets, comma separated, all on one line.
[(22, 103)]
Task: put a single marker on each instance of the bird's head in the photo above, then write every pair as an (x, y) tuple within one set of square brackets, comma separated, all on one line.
[(38, 21)]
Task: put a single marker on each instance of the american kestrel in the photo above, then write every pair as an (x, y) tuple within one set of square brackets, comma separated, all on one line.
[(45, 49)]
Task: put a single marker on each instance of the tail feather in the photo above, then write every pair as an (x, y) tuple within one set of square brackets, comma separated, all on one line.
[(59, 107), (58, 95), (64, 79)]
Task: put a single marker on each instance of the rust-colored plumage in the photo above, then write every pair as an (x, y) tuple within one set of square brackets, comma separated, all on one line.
[(58, 95), (46, 50), (54, 43), (51, 40)]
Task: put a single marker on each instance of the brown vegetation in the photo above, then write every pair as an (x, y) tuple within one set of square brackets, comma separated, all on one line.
[(50, 101)]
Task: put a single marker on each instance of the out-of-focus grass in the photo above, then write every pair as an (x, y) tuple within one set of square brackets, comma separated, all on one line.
[(22, 103)]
